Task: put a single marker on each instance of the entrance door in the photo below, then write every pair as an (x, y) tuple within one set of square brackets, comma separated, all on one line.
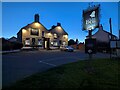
[(33, 41), (45, 44)]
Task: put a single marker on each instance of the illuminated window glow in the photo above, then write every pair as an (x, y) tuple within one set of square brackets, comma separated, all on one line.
[(55, 43), (55, 35), (64, 43), (27, 42), (40, 42), (52, 43)]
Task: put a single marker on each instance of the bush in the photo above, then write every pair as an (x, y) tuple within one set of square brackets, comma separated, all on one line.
[(7, 45), (17, 45)]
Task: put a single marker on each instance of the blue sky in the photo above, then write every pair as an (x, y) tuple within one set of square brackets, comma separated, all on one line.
[(69, 14)]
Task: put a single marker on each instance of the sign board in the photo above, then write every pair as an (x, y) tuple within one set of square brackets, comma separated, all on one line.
[(91, 18), (90, 46)]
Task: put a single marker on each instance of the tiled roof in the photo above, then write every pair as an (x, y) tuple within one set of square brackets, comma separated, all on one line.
[(58, 30)]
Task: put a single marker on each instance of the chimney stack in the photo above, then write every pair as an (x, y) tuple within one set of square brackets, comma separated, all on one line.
[(36, 17), (58, 24), (53, 27)]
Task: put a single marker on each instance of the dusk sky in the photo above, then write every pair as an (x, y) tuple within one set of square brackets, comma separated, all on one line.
[(69, 14)]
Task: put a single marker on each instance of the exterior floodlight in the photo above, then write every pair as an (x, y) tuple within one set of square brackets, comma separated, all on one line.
[(59, 27), (49, 34), (23, 30), (37, 24)]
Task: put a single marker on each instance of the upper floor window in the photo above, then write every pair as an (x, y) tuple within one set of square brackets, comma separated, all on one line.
[(65, 36), (64, 43), (55, 44), (55, 35), (35, 32), (39, 42)]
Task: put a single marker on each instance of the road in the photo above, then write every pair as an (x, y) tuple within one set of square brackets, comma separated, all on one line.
[(16, 66)]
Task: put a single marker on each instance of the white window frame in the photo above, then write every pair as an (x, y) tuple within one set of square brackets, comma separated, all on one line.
[(27, 42)]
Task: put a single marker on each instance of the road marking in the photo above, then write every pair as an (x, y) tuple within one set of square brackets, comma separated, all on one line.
[(47, 63)]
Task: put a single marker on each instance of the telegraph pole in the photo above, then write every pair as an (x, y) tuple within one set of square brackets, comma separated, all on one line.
[(119, 34), (110, 20)]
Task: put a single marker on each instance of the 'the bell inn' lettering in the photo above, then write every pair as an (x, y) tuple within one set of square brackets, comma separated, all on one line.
[(90, 21)]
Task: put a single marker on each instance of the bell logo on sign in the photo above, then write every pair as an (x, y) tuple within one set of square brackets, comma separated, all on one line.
[(92, 14)]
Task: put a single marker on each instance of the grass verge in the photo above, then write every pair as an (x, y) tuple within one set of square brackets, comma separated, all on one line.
[(101, 74)]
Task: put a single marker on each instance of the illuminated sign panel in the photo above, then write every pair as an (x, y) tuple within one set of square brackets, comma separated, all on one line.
[(91, 18)]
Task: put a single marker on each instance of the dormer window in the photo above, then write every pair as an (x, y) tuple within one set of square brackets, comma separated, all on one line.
[(55, 35)]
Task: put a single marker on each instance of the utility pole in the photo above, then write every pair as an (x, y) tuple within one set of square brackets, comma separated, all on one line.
[(110, 37), (119, 34), (110, 20)]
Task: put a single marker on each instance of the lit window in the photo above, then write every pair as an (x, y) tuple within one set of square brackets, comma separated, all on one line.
[(55, 35), (64, 43), (65, 36), (55, 43), (27, 41), (52, 43), (35, 32), (39, 42)]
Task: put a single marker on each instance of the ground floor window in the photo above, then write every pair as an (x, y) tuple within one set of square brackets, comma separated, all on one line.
[(27, 41), (40, 42), (64, 43), (51, 43), (55, 44)]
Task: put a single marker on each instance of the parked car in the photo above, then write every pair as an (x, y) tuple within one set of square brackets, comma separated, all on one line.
[(67, 48)]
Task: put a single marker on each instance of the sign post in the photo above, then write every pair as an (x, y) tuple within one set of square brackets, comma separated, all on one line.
[(90, 22)]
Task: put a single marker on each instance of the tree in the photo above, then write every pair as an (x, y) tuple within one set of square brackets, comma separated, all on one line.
[(71, 42), (76, 42)]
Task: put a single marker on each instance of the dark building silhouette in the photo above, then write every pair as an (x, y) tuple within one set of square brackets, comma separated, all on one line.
[(103, 39)]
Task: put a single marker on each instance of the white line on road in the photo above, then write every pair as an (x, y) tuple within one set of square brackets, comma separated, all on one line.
[(47, 63)]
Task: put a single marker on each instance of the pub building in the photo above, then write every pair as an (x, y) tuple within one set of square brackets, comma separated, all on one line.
[(35, 34)]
